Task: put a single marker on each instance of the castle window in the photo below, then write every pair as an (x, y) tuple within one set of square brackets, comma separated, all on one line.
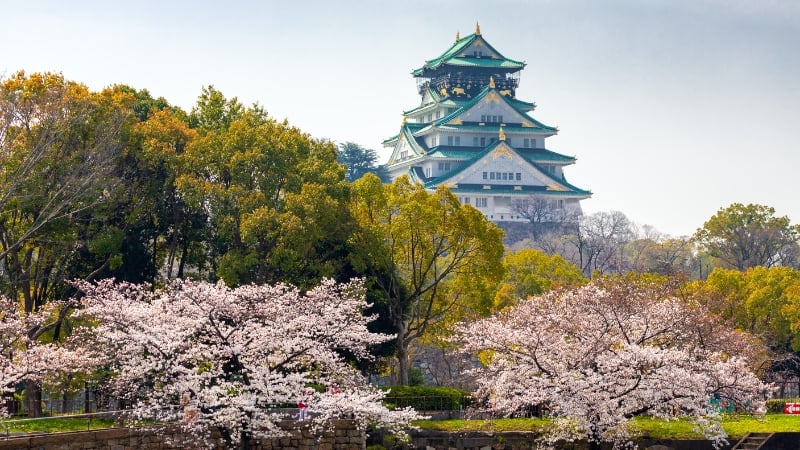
[(505, 176), (526, 142), (449, 140), (438, 114), (483, 117), (483, 142), (500, 118), (458, 140), (519, 176), (533, 143), (465, 200), (480, 202), (428, 172), (510, 175), (491, 175), (475, 141), (485, 175), (404, 154)]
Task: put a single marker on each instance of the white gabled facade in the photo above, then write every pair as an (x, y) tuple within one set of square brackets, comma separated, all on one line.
[(471, 134)]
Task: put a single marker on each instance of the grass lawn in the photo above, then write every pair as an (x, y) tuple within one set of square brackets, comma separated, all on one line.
[(735, 426), (53, 425)]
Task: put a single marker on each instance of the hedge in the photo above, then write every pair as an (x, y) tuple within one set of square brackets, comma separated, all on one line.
[(427, 398), (776, 405)]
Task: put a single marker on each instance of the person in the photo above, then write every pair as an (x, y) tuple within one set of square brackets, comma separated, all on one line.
[(190, 411), (302, 404)]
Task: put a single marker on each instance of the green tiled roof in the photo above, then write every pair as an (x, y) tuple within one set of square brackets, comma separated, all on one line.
[(446, 102), (507, 189), (534, 155), (515, 105), (412, 126), (496, 127), (543, 155), (521, 105), (449, 151), (452, 57), (573, 190)]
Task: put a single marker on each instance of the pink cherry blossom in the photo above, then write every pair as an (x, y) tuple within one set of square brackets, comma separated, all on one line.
[(23, 355), (600, 354), (233, 356)]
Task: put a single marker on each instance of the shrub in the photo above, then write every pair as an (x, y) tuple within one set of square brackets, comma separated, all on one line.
[(775, 405), (427, 398)]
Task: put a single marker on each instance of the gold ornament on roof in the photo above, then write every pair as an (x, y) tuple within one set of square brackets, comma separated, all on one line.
[(501, 135), (458, 36), (477, 28), (405, 119), (491, 82)]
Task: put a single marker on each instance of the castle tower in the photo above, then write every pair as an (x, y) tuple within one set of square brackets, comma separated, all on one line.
[(472, 134)]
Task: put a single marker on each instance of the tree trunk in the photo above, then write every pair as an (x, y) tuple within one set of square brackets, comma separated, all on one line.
[(402, 358), (33, 399)]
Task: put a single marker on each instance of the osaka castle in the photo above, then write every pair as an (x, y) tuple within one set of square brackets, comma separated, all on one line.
[(471, 134)]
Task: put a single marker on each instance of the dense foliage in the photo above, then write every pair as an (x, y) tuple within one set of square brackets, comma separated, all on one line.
[(428, 398), (431, 257), (227, 357), (598, 355)]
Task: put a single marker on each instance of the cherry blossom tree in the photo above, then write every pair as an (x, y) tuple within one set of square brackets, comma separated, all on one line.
[(23, 356), (231, 357), (599, 355)]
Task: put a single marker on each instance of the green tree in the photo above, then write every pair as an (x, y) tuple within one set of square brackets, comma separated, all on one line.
[(436, 255), (173, 232), (742, 236), (60, 148), (276, 200), (758, 300), (530, 272), (359, 161)]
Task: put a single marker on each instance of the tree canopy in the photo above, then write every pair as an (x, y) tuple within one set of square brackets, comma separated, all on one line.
[(531, 272), (743, 236), (230, 357), (600, 354), (432, 257), (359, 161)]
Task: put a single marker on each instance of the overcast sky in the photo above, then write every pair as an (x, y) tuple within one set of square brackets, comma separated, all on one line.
[(674, 108)]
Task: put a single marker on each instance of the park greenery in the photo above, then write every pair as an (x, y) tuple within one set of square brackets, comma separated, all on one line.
[(221, 259)]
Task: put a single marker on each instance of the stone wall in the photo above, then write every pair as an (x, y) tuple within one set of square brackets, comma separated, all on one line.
[(343, 436), (442, 440)]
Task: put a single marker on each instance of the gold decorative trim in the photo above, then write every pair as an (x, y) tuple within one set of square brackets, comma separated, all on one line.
[(492, 97), (502, 150), (487, 186)]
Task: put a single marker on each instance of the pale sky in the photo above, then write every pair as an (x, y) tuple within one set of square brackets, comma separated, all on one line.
[(674, 108)]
